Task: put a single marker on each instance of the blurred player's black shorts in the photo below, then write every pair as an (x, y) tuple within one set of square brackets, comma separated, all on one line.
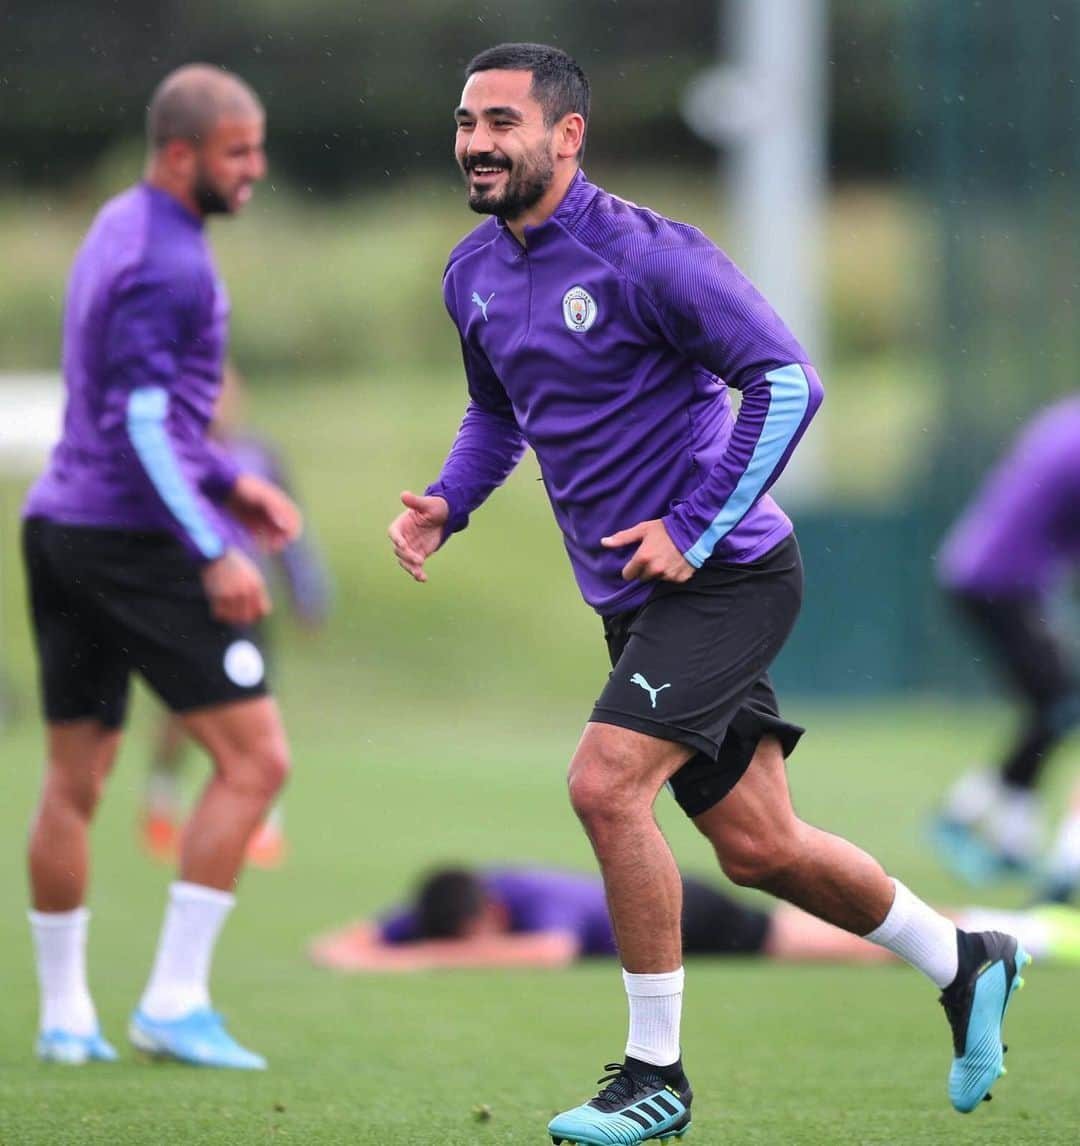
[(109, 602), (714, 923), (1030, 654), (690, 665)]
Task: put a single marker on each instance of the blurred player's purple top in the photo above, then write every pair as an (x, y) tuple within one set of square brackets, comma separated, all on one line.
[(144, 341), (537, 900), (608, 346), (1022, 531), (306, 576)]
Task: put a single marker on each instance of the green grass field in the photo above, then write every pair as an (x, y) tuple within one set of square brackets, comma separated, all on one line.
[(434, 723), (777, 1054)]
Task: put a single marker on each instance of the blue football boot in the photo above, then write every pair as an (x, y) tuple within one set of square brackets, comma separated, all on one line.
[(970, 857), (975, 1003), (640, 1103), (198, 1038), (73, 1050)]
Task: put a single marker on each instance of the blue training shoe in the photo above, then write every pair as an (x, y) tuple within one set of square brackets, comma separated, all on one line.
[(198, 1038), (968, 856), (640, 1103), (975, 1003), (73, 1050)]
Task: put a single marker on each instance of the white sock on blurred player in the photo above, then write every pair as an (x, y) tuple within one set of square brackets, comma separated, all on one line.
[(60, 950), (1016, 823), (920, 935), (655, 1016), (972, 797), (1065, 856), (180, 980)]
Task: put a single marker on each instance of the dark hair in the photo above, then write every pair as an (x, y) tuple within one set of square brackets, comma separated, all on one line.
[(190, 100), (559, 85), (446, 902)]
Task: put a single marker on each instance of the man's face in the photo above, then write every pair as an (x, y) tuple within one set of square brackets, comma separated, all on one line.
[(228, 163), (503, 147)]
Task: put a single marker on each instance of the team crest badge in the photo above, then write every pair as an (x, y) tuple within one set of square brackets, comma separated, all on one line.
[(578, 309)]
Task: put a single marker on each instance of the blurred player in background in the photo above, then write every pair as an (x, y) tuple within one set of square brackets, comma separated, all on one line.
[(132, 567), (535, 917), (606, 337), (307, 585), (1003, 563)]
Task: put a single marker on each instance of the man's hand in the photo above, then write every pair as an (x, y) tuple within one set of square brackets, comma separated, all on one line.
[(417, 533), (656, 558), (268, 514), (236, 589)]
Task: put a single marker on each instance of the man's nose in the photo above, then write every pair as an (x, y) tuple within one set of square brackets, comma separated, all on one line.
[(480, 141)]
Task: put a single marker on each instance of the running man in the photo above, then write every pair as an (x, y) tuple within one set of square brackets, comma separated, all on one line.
[(512, 916), (606, 337), (1002, 563), (129, 570)]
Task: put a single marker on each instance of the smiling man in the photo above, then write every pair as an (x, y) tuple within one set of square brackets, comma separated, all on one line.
[(132, 566), (606, 337)]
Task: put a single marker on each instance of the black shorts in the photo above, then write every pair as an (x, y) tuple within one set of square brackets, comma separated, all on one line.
[(106, 602), (1030, 654), (690, 665), (714, 923)]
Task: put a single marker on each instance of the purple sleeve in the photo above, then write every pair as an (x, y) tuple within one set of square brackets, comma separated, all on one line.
[(398, 927), (307, 579), (712, 314), (148, 320), (219, 473), (488, 445)]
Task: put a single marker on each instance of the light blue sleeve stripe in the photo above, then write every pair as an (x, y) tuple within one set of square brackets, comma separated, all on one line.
[(147, 410), (790, 396)]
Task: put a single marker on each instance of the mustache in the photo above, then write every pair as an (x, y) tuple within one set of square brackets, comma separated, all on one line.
[(489, 160)]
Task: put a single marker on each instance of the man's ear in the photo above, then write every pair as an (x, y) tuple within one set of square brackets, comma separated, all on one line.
[(179, 156), (570, 132)]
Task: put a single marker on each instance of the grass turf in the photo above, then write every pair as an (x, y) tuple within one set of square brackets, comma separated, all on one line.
[(777, 1054)]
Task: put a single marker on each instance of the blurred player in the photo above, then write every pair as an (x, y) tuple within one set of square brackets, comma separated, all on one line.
[(535, 917), (307, 586), (605, 336), (130, 567), (1002, 563)]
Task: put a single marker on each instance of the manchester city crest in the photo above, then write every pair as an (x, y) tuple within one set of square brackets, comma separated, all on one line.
[(578, 309)]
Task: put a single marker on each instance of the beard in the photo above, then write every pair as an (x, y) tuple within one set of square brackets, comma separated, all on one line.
[(526, 181), (209, 198)]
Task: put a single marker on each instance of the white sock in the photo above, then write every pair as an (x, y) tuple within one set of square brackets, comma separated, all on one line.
[(1035, 934), (1065, 857), (972, 797), (180, 980), (1016, 822), (655, 1016), (920, 935), (60, 948)]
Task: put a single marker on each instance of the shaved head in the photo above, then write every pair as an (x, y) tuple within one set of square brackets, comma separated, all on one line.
[(190, 101)]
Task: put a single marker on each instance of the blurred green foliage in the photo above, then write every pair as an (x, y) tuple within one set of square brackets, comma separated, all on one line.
[(355, 284), (356, 90)]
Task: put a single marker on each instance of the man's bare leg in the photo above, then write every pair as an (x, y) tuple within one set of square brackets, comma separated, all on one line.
[(614, 779), (247, 744), (81, 754)]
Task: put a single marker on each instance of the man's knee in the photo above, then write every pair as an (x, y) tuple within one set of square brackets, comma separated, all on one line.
[(260, 768), (760, 860)]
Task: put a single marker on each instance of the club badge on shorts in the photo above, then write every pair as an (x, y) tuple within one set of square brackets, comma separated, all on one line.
[(578, 309), (243, 664)]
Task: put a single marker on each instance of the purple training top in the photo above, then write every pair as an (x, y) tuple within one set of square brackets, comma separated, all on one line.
[(537, 900), (144, 341), (1022, 531), (608, 344)]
